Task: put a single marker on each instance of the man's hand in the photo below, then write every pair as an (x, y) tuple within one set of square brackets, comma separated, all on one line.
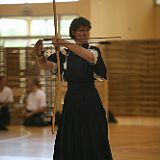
[(39, 48), (59, 42)]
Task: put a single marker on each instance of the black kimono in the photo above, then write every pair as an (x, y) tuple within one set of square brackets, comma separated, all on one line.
[(83, 130)]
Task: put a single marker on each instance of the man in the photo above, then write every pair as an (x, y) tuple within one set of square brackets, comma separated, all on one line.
[(83, 129), (6, 98), (36, 101)]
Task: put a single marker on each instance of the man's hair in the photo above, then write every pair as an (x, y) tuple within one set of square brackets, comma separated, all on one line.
[(76, 23), (35, 82)]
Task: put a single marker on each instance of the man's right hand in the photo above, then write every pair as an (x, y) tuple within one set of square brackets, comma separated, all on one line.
[(39, 48)]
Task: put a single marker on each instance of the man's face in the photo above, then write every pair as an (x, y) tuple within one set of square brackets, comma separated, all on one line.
[(82, 34)]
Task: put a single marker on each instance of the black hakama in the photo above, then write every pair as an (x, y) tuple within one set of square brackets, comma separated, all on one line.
[(83, 130)]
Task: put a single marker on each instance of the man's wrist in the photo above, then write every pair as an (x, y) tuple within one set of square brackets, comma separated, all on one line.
[(42, 59), (41, 54)]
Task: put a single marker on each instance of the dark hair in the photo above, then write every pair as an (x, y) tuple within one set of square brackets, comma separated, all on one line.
[(35, 82), (76, 23)]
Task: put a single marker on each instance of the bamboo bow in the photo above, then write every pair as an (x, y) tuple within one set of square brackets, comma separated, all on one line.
[(57, 49)]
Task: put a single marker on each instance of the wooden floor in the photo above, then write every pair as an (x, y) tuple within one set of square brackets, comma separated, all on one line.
[(131, 139)]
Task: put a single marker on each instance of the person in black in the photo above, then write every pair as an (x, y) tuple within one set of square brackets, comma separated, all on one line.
[(83, 129)]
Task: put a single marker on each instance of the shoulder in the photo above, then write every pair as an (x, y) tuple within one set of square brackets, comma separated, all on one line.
[(95, 48), (53, 57), (7, 89), (40, 92)]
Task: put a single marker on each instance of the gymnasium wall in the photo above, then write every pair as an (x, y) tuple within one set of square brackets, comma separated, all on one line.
[(131, 19), (134, 77)]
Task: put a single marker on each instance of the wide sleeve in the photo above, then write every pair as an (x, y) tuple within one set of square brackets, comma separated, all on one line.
[(53, 58), (99, 68)]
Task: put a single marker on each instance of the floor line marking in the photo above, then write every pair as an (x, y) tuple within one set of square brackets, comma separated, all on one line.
[(27, 134)]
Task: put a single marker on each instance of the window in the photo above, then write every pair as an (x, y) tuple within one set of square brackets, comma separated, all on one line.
[(32, 1), (12, 1), (42, 27), (32, 26), (65, 22), (13, 27), (49, 1), (157, 2)]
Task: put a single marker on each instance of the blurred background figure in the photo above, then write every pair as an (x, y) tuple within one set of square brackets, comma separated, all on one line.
[(6, 98), (36, 101), (111, 117)]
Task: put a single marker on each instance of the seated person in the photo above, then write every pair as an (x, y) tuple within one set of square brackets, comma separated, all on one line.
[(6, 98), (36, 101)]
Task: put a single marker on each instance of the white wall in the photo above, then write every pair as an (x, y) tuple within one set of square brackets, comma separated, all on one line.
[(132, 19)]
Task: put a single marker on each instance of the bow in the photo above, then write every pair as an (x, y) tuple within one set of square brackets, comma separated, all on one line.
[(57, 49)]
